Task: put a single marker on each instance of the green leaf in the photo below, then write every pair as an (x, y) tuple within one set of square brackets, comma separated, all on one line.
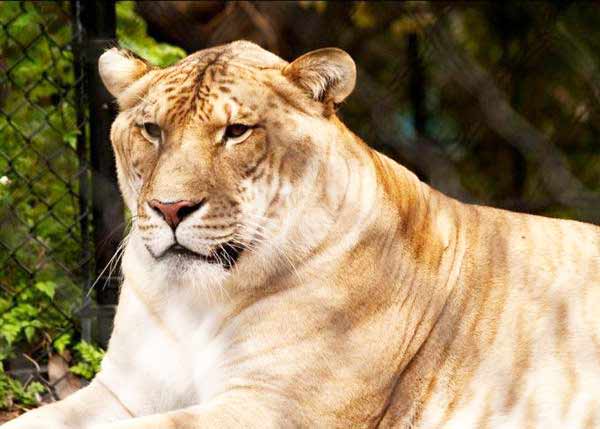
[(29, 333), (47, 287), (89, 359), (61, 343), (132, 34), (71, 138)]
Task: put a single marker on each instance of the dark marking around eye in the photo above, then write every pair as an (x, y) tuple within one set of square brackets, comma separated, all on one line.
[(152, 129), (235, 130)]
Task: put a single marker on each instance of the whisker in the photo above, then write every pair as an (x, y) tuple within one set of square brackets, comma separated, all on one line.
[(112, 264)]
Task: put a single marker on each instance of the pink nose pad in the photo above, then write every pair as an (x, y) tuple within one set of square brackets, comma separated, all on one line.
[(174, 213)]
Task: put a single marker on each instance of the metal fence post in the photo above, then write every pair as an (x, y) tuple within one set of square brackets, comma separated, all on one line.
[(98, 22)]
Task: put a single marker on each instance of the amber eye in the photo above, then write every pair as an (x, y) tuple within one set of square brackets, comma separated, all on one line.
[(236, 130), (152, 130)]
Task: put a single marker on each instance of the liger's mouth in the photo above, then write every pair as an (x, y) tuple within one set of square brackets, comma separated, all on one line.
[(227, 254)]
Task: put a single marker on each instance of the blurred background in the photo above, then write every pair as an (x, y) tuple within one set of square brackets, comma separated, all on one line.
[(493, 103)]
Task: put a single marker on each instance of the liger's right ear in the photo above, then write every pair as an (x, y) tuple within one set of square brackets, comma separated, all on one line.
[(120, 68)]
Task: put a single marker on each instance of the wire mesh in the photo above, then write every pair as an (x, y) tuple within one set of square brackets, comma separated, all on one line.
[(45, 253)]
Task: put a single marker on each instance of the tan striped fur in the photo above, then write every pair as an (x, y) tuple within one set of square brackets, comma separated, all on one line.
[(363, 298)]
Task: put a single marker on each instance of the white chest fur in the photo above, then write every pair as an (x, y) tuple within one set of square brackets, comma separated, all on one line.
[(167, 348)]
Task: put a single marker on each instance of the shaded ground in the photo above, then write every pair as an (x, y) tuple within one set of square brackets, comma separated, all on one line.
[(8, 415)]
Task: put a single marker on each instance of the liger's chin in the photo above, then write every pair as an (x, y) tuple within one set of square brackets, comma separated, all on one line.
[(189, 271), (212, 269)]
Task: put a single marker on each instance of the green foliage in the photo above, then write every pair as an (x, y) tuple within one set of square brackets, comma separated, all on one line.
[(13, 392), (39, 260), (89, 357), (41, 275), (63, 341), (132, 34), (23, 318), (40, 172)]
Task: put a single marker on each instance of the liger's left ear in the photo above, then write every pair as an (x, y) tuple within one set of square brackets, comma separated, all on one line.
[(327, 74)]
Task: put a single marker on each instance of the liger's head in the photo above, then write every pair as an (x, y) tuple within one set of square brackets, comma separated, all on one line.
[(214, 152)]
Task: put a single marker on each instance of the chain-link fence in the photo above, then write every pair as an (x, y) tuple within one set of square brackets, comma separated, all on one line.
[(47, 261)]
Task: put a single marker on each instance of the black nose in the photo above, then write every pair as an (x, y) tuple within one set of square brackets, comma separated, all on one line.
[(174, 213)]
